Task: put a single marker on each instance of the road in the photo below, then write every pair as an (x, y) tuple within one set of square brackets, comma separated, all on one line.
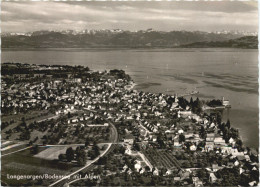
[(88, 164), (69, 178), (11, 146), (60, 145), (16, 151), (55, 116)]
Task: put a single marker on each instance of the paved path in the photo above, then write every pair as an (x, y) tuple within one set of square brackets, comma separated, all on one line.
[(6, 142), (145, 160), (52, 117), (88, 164), (74, 181), (61, 145), (10, 146), (16, 151)]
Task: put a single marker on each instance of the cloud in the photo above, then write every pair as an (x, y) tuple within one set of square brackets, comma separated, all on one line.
[(208, 16)]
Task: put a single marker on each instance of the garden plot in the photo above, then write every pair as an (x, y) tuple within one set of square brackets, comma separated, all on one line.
[(53, 153)]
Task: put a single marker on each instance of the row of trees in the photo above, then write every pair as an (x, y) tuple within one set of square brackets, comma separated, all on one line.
[(196, 106), (214, 103), (79, 155), (232, 177), (6, 124)]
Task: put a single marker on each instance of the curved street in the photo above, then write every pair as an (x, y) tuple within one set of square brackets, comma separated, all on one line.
[(89, 165)]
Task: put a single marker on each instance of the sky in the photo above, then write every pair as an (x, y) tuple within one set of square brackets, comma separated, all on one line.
[(164, 16)]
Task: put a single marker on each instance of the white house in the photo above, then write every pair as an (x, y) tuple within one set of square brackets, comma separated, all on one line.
[(193, 148), (212, 178)]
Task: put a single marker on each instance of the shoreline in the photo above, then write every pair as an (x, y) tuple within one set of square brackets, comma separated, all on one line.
[(134, 85), (244, 137), (162, 124)]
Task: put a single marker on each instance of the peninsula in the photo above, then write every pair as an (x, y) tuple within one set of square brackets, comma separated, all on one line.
[(69, 125)]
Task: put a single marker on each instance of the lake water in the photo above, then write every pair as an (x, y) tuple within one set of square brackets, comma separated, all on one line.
[(232, 73)]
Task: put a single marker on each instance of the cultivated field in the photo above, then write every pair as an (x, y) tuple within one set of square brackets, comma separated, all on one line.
[(53, 153), (160, 158), (23, 163)]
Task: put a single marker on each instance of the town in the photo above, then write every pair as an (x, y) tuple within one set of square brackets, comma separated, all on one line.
[(70, 120)]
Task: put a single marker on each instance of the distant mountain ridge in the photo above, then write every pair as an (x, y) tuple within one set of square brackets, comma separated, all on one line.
[(107, 39), (248, 42)]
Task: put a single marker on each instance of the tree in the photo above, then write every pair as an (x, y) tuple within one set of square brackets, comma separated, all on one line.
[(218, 118), (201, 173), (147, 168), (102, 160), (239, 144), (81, 156), (183, 102), (70, 154), (197, 106), (230, 176), (202, 131), (244, 180), (30, 143), (96, 150), (35, 149), (87, 142), (23, 120), (91, 154), (191, 101), (228, 124), (162, 171), (98, 170), (181, 138), (160, 141), (62, 157), (136, 146), (121, 149), (26, 135)]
